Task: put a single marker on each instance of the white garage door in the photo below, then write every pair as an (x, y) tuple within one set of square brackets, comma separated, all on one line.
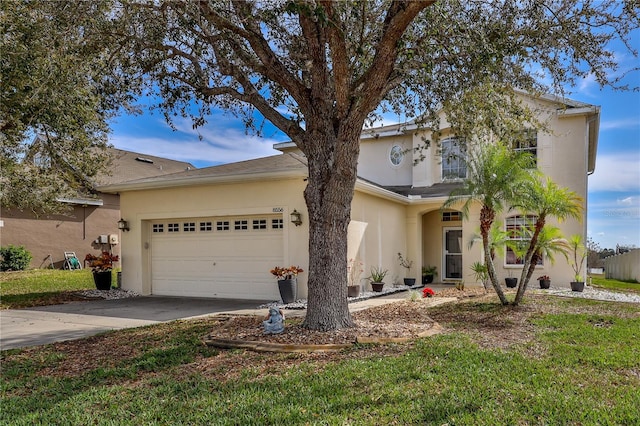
[(224, 257)]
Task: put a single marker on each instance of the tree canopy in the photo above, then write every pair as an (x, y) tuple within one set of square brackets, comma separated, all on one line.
[(321, 70), (53, 103)]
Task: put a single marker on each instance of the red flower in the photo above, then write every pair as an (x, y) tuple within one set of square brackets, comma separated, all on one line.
[(286, 273), (427, 292), (101, 263)]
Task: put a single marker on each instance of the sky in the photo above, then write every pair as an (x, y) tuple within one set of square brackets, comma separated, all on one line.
[(613, 203)]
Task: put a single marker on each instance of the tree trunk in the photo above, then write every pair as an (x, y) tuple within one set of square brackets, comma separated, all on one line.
[(487, 217), (329, 192), (530, 260)]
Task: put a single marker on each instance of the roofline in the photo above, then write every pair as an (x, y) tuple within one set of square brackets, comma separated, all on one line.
[(372, 189), (202, 180), (81, 201)]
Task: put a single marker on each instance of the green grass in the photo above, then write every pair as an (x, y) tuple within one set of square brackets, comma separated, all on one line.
[(610, 284), (41, 286), (577, 368)]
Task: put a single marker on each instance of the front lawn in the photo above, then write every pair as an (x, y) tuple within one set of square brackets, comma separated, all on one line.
[(610, 284), (550, 361), (39, 287)]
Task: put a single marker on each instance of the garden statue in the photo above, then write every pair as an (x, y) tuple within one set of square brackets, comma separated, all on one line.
[(274, 323)]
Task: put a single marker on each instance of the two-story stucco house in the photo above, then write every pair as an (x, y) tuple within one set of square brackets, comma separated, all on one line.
[(217, 231)]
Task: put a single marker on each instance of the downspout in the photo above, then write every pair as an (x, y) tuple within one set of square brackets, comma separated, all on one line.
[(591, 127)]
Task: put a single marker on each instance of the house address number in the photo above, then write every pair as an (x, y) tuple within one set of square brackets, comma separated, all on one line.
[(278, 209)]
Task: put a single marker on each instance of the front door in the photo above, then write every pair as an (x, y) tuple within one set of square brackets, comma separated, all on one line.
[(452, 253)]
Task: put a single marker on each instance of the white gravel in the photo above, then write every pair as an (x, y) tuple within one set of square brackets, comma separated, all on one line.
[(114, 293), (588, 293), (596, 294)]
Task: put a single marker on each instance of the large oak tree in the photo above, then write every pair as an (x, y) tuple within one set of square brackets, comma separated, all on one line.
[(321, 70)]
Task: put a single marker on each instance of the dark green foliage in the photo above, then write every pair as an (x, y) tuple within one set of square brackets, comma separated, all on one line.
[(14, 258)]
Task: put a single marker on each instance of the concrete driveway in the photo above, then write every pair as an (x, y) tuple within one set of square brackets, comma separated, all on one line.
[(48, 324)]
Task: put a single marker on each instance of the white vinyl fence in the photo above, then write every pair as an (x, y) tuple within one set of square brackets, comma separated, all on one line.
[(625, 266)]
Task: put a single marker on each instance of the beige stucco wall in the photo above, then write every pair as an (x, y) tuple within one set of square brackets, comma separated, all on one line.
[(374, 163), (384, 238), (139, 207)]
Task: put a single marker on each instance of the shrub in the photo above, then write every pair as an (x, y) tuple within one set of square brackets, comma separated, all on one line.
[(14, 258)]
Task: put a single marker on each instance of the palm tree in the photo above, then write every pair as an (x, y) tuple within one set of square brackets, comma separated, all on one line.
[(548, 243), (544, 199), (495, 177)]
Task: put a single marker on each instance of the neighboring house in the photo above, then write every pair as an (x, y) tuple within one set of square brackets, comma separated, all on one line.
[(95, 213), (217, 231)]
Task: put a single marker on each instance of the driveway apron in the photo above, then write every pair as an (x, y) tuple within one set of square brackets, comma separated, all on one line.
[(48, 324)]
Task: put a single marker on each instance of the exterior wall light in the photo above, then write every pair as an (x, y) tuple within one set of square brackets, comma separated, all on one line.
[(123, 225), (296, 217)]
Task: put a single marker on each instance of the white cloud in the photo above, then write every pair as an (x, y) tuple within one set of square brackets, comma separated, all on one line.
[(628, 123), (214, 143), (628, 201), (617, 172)]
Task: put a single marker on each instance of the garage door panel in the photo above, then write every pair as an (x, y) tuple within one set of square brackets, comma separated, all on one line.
[(216, 264)]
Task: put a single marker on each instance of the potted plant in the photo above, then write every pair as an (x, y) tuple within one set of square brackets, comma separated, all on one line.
[(354, 269), (406, 263), (428, 273), (510, 281), (579, 254), (101, 266), (376, 277), (545, 281), (287, 282)]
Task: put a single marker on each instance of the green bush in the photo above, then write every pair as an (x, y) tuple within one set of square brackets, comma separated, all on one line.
[(14, 258)]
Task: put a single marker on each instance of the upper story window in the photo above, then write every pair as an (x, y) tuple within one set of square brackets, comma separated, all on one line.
[(396, 155), (514, 225), (526, 141), (454, 155)]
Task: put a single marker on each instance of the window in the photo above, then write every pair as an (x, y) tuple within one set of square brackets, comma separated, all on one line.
[(453, 159), (396, 155), (260, 224), (241, 225), (514, 225), (206, 226), (526, 141), (189, 227), (277, 224), (222, 225), (158, 227), (173, 227), (451, 216)]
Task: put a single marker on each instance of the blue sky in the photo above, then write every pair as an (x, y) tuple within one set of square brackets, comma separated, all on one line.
[(614, 188)]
